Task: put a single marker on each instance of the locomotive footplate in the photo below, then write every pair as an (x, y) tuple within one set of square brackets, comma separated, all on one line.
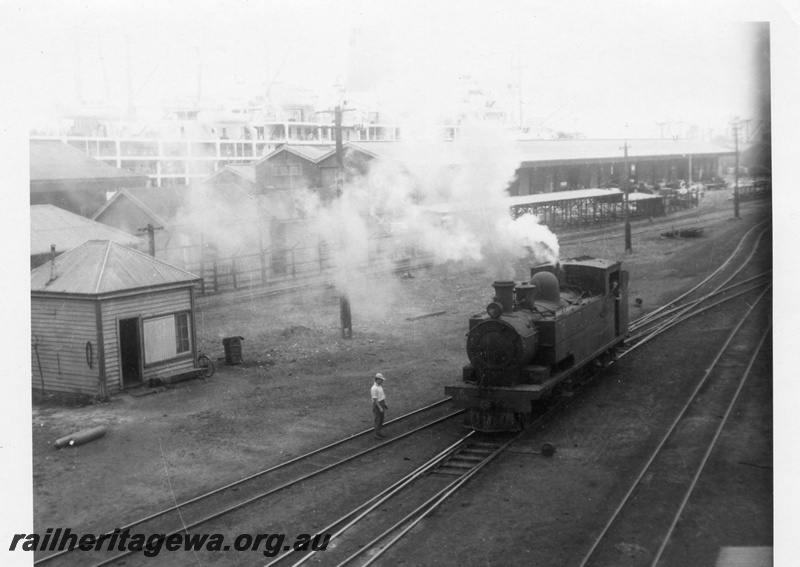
[(499, 399)]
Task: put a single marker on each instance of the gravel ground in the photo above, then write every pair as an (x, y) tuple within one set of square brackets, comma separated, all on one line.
[(301, 386)]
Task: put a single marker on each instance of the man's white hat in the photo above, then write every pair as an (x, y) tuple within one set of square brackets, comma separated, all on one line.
[(379, 375)]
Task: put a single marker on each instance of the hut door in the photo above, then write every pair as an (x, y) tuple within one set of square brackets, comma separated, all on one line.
[(130, 349)]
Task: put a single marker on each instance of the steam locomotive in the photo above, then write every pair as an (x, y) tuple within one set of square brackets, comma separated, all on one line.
[(541, 337)]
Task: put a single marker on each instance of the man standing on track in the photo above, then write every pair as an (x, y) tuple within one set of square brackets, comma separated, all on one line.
[(379, 406)]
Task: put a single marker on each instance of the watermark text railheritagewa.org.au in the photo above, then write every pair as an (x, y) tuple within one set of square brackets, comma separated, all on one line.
[(61, 539)]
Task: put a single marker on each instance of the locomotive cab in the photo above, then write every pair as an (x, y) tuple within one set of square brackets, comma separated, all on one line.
[(539, 335)]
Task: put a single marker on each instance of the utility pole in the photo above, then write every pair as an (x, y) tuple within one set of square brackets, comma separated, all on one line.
[(344, 302), (626, 174), (151, 237), (661, 124), (337, 132), (736, 171), (747, 129)]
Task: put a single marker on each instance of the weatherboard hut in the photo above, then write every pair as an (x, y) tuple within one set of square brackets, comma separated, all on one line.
[(106, 317)]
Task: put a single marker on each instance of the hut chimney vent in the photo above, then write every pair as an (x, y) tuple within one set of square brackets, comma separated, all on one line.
[(53, 274)]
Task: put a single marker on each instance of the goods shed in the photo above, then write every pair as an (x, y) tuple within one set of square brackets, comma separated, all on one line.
[(551, 166), (558, 165), (105, 317)]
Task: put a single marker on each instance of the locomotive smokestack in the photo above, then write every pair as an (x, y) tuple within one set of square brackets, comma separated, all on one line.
[(504, 292)]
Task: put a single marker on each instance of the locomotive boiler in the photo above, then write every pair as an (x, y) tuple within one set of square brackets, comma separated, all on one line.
[(540, 336)]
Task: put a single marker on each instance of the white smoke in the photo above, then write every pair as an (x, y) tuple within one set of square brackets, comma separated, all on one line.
[(394, 207), (470, 177)]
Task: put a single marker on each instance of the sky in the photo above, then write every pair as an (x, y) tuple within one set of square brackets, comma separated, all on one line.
[(606, 69), (592, 67)]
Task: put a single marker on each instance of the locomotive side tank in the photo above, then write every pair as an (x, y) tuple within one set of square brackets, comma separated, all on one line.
[(540, 335)]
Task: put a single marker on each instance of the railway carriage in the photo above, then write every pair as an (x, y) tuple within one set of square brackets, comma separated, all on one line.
[(540, 336)]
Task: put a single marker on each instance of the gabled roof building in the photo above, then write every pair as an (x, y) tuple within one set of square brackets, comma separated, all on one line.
[(53, 226), (293, 167), (68, 178), (105, 317)]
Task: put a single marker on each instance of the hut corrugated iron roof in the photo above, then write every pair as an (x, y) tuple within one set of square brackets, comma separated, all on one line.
[(100, 267), (53, 225)]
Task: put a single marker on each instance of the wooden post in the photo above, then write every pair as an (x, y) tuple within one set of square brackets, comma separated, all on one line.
[(262, 257), (233, 272), (35, 343), (215, 277), (736, 172), (625, 173), (202, 266), (345, 316)]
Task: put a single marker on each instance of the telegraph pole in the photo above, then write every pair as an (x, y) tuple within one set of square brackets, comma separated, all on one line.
[(736, 171), (344, 301), (151, 237), (747, 129), (337, 133), (625, 188)]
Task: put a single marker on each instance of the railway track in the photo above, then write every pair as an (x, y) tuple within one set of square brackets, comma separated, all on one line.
[(716, 285), (225, 500), (364, 534), (702, 420), (653, 505), (366, 545)]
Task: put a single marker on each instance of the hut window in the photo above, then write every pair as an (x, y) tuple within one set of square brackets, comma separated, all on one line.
[(166, 337), (182, 332)]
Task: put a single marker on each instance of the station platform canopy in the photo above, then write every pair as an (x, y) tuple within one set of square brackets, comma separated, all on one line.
[(538, 199)]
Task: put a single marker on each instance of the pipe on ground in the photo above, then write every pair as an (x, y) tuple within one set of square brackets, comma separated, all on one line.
[(80, 437)]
